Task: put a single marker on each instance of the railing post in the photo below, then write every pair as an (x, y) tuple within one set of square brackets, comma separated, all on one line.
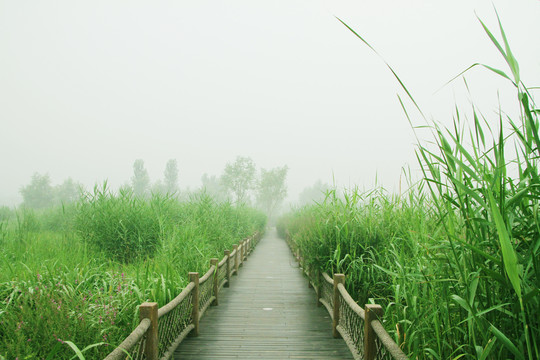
[(308, 274), (319, 287), (235, 247), (241, 248), (214, 262), (372, 312), (338, 279), (228, 264), (194, 276), (150, 310)]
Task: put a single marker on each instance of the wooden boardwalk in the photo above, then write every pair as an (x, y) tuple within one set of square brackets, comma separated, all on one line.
[(268, 313)]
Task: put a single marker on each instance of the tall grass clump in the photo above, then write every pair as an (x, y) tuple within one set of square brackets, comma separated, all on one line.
[(350, 233), (124, 226), (485, 184), (63, 286), (6, 214), (455, 262)]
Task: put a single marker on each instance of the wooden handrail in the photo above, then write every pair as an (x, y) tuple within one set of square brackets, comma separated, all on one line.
[(150, 314), (387, 341), (228, 268), (207, 275), (149, 310), (338, 279), (350, 301), (373, 330), (129, 342), (222, 262), (215, 290), (194, 277), (235, 255)]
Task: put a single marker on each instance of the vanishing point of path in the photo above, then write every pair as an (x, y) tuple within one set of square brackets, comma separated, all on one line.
[(268, 312)]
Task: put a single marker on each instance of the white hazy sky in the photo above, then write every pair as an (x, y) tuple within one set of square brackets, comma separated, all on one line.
[(87, 87)]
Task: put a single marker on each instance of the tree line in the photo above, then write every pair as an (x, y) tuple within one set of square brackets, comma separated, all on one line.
[(239, 183)]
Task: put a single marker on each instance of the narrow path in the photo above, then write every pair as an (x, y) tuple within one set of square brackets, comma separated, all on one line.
[(268, 313)]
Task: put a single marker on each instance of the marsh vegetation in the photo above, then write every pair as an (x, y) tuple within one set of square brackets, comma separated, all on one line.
[(72, 275), (455, 259)]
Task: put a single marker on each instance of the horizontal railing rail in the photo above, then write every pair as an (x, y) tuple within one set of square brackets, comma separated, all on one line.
[(133, 344), (326, 291), (160, 331), (175, 321), (360, 328)]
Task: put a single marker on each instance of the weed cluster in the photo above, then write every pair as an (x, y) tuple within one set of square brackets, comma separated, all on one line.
[(456, 261), (62, 289), (123, 226)]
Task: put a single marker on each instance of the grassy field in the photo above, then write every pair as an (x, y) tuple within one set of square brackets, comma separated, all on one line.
[(456, 260), (75, 274)]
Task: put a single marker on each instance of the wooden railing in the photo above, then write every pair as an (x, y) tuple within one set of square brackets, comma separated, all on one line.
[(160, 331), (360, 328)]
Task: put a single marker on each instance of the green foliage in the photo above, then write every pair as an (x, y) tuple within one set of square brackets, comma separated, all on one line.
[(170, 177), (491, 209), (455, 261), (315, 193), (39, 193), (347, 234), (58, 291), (67, 192), (123, 226), (212, 186), (239, 178), (60, 218), (271, 189), (6, 213), (140, 181), (27, 223), (56, 304)]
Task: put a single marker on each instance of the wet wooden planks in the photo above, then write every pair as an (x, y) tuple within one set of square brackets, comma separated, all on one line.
[(268, 313)]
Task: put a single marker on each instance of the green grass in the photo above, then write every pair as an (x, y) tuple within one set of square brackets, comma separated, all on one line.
[(58, 286), (455, 261)]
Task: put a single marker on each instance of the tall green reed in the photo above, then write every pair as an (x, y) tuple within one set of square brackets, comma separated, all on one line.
[(490, 215), (455, 260), (60, 289)]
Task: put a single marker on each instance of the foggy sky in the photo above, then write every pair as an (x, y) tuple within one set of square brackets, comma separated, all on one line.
[(88, 87)]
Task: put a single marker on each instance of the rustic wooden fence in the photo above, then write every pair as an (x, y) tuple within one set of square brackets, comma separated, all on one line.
[(360, 328), (160, 331)]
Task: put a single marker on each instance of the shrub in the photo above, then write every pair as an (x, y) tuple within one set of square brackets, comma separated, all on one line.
[(5, 213), (123, 226)]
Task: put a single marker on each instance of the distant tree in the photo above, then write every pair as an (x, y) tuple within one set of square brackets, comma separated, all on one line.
[(212, 186), (140, 181), (158, 188), (271, 189), (39, 193), (67, 192), (170, 178), (315, 193), (125, 187), (239, 178), (5, 214)]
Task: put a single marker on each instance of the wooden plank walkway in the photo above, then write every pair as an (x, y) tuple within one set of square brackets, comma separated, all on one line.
[(268, 313)]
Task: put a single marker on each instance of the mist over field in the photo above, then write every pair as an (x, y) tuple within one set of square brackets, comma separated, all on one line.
[(141, 142), (87, 88)]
